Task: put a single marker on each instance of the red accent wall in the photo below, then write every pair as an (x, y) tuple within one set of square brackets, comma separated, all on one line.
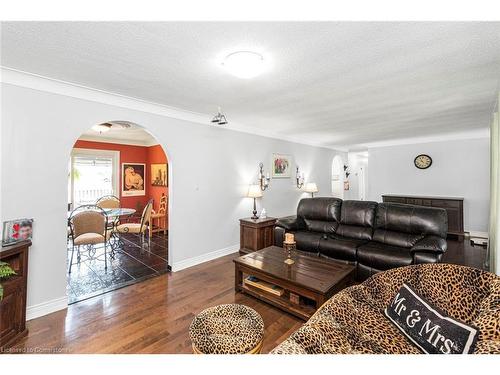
[(134, 154)]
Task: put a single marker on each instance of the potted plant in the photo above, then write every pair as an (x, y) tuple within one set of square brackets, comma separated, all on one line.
[(5, 272)]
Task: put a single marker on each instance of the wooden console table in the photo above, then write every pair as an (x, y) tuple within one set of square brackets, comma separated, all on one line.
[(13, 304), (454, 207), (256, 234)]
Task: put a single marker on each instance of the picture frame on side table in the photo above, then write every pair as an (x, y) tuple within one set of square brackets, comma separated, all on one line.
[(16, 231), (281, 166)]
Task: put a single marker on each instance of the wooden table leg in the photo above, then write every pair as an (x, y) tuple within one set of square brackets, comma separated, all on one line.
[(320, 300), (238, 278)]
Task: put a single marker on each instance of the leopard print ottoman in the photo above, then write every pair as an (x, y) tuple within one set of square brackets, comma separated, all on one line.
[(352, 321), (227, 329)]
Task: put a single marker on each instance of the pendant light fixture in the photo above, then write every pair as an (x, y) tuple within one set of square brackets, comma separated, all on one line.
[(219, 118)]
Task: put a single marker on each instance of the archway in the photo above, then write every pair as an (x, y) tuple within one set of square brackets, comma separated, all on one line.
[(120, 171), (337, 177)]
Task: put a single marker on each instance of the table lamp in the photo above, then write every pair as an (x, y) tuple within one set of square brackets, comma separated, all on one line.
[(254, 192), (311, 188)]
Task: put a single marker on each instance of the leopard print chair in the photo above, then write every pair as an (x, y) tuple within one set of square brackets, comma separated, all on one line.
[(352, 321)]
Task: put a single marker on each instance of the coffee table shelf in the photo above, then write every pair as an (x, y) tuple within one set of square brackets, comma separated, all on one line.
[(310, 277), (302, 311)]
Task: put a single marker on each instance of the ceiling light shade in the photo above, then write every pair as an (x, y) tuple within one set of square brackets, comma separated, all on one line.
[(101, 128), (244, 64)]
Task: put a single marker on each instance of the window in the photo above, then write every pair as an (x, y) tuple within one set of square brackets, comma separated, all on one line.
[(93, 174)]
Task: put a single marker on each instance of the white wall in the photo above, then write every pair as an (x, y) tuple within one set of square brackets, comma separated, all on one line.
[(210, 169), (460, 168)]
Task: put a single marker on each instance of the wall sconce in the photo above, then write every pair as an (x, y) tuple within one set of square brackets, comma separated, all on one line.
[(299, 178), (263, 178), (347, 173)]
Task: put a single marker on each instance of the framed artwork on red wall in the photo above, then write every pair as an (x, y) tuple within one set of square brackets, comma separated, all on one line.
[(133, 177), (159, 175)]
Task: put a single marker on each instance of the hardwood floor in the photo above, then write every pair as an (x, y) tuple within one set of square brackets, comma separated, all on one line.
[(154, 316), (150, 317)]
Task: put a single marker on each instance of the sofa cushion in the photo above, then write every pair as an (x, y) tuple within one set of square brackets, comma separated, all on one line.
[(321, 226), (383, 257), (400, 239), (319, 214), (340, 247), (357, 219), (412, 219), (308, 241)]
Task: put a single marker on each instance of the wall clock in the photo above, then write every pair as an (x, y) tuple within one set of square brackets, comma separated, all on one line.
[(422, 161)]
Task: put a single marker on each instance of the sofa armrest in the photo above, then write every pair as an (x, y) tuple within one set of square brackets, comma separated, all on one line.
[(289, 223), (420, 257), (279, 236), (430, 244)]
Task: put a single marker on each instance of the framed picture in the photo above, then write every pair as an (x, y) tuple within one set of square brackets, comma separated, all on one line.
[(16, 231), (133, 179), (159, 175), (281, 166)]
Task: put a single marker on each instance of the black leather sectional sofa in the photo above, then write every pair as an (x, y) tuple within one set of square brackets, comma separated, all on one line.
[(374, 236)]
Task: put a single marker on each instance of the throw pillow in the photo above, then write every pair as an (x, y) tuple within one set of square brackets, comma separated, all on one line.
[(427, 327)]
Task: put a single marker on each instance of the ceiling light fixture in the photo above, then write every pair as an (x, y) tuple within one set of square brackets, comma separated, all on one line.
[(102, 128), (220, 118), (244, 64)]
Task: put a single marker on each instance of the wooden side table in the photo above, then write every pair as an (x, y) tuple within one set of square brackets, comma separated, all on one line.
[(256, 234)]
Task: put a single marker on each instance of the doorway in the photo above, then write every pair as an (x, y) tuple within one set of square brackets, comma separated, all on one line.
[(120, 176), (337, 177)]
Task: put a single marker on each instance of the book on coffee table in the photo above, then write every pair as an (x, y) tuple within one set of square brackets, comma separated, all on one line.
[(268, 287)]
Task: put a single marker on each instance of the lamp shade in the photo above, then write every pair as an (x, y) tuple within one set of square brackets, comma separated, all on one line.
[(254, 191), (311, 187)]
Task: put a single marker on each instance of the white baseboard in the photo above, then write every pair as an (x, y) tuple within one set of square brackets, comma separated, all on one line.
[(190, 262), (45, 308)]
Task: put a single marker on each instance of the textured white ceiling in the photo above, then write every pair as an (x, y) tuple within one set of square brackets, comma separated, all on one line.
[(334, 84)]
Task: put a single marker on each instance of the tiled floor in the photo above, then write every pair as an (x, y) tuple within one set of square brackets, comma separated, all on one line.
[(132, 263)]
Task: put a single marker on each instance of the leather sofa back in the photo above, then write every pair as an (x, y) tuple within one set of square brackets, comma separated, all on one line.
[(319, 214), (357, 219), (403, 225)]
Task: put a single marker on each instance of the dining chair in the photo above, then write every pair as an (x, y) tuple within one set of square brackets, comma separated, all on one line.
[(89, 226), (161, 216), (108, 201), (139, 228)]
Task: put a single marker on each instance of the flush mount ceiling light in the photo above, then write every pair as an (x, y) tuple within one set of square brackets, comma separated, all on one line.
[(244, 64), (104, 127)]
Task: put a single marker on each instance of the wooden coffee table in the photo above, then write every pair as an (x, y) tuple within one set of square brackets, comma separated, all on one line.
[(305, 285)]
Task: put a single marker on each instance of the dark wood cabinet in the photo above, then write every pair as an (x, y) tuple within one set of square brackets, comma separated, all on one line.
[(454, 206), (13, 304), (256, 234)]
